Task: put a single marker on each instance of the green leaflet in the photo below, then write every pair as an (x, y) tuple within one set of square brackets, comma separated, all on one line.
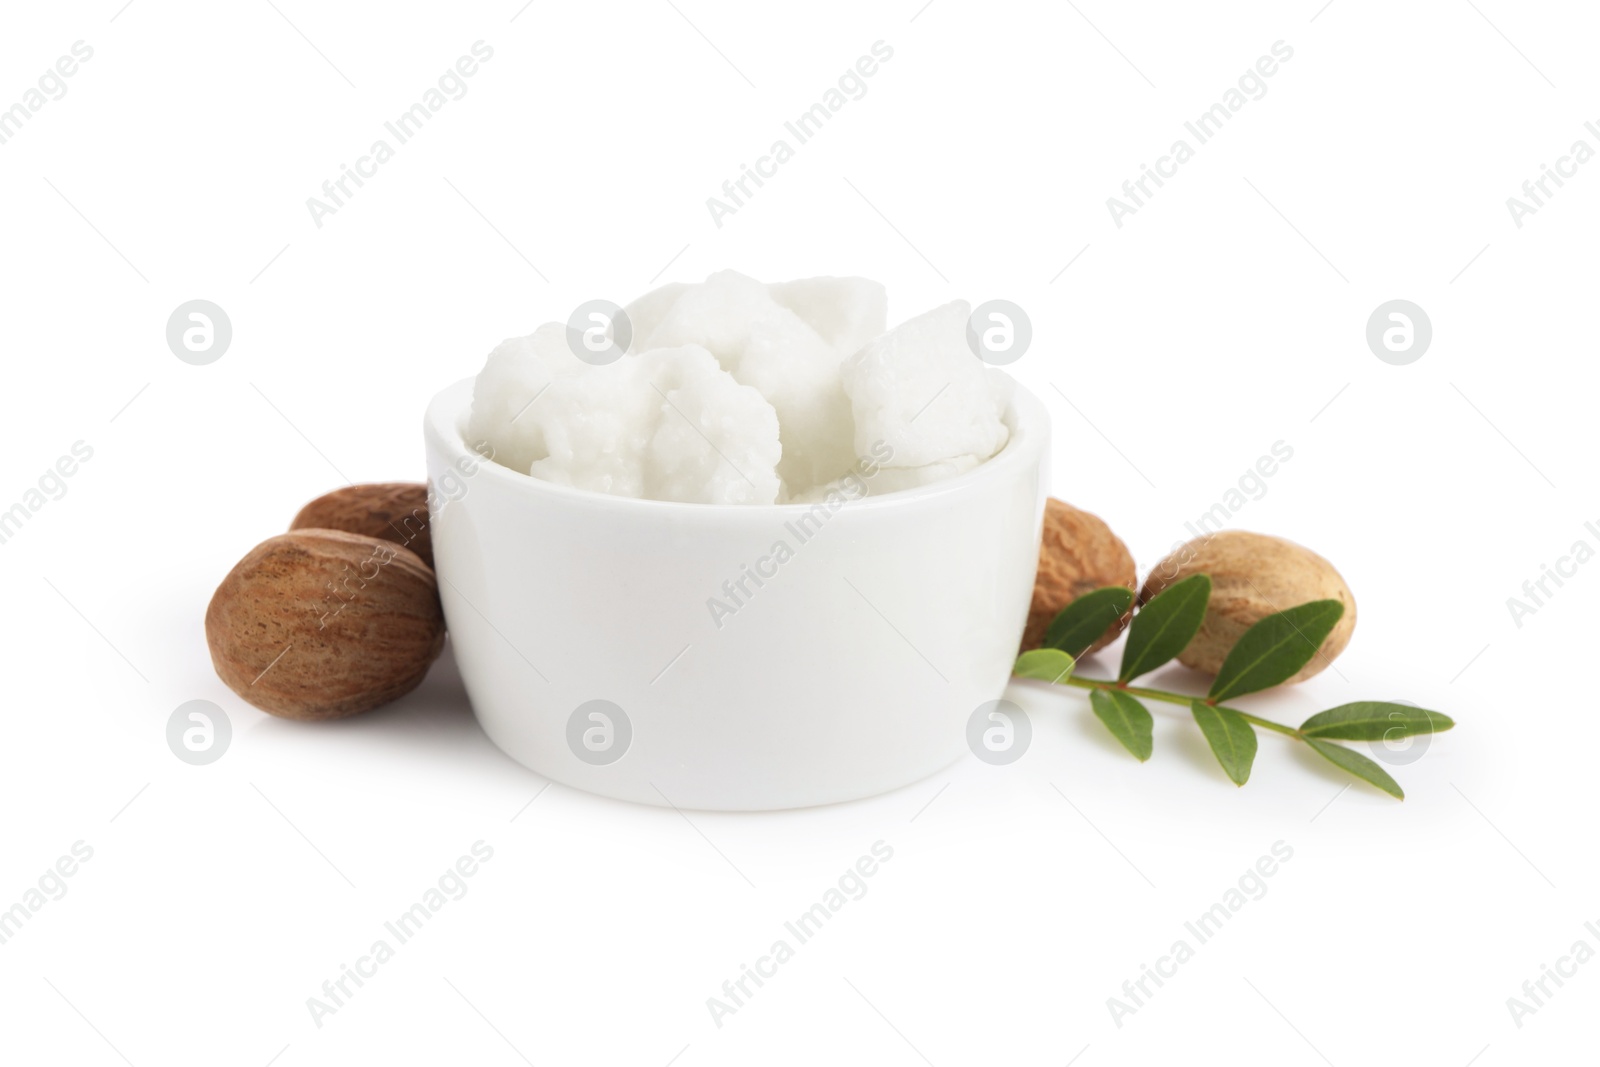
[(1165, 625), (1269, 654), (1374, 720), (1045, 664), (1357, 764), (1272, 650), (1231, 738), (1128, 720), (1085, 620)]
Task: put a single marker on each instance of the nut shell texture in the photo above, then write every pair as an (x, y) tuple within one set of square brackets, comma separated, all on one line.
[(320, 624), (393, 511), (1078, 555), (1252, 576)]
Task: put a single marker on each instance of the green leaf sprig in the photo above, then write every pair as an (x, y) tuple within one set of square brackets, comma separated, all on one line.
[(1268, 654)]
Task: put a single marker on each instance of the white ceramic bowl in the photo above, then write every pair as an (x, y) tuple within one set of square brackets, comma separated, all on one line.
[(850, 670)]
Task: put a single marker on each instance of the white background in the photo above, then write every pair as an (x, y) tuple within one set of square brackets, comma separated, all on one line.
[(1226, 315)]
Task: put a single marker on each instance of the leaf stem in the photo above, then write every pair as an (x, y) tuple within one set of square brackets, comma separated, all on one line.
[(1179, 698)]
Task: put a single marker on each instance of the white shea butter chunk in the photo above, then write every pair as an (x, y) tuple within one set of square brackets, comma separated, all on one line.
[(646, 313), (920, 390), (595, 425), (736, 392), (716, 315), (896, 479), (715, 441), (668, 424), (518, 370), (798, 372), (775, 350), (845, 312)]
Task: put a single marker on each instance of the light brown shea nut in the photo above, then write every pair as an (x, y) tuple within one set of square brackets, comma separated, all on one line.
[(321, 624), (394, 511), (1252, 576), (1078, 555)]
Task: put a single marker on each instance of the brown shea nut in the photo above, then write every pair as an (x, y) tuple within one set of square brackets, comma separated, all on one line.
[(1253, 576), (1078, 555), (394, 511), (321, 624)]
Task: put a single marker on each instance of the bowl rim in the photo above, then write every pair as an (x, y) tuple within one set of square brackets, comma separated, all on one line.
[(445, 421)]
